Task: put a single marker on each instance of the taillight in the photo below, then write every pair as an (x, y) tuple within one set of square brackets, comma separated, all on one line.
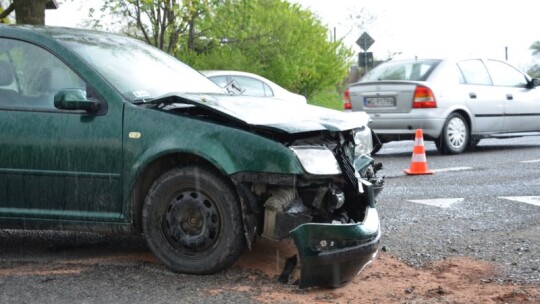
[(347, 100), (424, 98)]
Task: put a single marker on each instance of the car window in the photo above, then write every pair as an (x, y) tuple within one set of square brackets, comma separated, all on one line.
[(253, 87), (474, 72), (219, 80), (505, 75), (415, 70), (267, 90), (30, 76)]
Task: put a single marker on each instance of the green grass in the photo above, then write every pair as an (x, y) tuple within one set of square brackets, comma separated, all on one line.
[(328, 99)]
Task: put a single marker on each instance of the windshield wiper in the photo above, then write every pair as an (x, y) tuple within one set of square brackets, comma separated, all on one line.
[(142, 101), (165, 100)]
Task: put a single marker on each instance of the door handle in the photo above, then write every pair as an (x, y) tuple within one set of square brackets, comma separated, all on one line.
[(472, 95), (509, 97)]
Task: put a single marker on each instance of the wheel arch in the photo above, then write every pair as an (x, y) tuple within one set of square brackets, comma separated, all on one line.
[(470, 122), (152, 171), (465, 113), (467, 117)]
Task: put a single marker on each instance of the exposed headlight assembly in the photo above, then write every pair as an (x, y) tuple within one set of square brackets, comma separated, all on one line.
[(317, 160), (363, 141)]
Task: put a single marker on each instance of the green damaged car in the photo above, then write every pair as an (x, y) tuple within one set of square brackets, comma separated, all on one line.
[(100, 132)]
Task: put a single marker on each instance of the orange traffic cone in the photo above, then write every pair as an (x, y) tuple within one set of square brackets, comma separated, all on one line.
[(419, 161)]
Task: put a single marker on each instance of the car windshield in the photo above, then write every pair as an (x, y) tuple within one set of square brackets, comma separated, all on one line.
[(137, 70), (413, 70)]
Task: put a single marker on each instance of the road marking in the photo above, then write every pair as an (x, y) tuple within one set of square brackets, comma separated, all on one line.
[(533, 200), (452, 169), (439, 202), (530, 161)]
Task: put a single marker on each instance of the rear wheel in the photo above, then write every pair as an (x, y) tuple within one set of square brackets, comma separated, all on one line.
[(454, 136), (192, 222)]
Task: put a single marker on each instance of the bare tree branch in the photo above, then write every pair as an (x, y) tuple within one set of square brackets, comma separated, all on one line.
[(8, 11)]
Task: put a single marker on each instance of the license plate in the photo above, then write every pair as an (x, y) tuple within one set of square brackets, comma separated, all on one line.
[(386, 101)]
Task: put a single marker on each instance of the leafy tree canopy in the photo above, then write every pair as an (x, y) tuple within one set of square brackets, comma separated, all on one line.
[(272, 38), (535, 47), (158, 22), (534, 71)]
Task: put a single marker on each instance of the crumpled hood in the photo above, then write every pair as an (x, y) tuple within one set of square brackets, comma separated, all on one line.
[(273, 113)]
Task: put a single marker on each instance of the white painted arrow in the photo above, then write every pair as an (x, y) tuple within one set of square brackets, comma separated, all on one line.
[(533, 200), (439, 202)]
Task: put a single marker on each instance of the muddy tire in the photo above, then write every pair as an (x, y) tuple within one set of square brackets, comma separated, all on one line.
[(192, 222), (455, 134)]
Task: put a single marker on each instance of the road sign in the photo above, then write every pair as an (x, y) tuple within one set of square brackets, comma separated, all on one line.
[(366, 60), (365, 41)]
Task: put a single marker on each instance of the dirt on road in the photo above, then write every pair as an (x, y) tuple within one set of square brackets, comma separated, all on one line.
[(66, 272), (388, 280)]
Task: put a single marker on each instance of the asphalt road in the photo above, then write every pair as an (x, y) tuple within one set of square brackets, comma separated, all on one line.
[(483, 204)]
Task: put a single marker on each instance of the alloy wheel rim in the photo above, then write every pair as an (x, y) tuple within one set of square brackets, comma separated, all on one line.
[(456, 132)]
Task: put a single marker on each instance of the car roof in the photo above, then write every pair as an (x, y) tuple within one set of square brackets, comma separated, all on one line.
[(210, 73), (444, 59), (231, 72), (51, 31), (50, 36)]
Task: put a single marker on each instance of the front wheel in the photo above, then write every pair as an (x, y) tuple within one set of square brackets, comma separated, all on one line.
[(192, 221), (454, 136)]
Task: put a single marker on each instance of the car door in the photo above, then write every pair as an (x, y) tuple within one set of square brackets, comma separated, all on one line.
[(54, 164), (484, 102), (522, 108)]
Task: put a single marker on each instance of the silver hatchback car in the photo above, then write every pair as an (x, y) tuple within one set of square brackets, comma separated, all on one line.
[(455, 103)]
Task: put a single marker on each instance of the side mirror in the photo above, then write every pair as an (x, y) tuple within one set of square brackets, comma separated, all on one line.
[(74, 99)]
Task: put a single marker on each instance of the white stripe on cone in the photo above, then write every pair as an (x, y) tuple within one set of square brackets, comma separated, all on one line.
[(419, 158)]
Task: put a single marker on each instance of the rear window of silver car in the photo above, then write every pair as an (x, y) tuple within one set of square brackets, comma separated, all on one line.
[(413, 70)]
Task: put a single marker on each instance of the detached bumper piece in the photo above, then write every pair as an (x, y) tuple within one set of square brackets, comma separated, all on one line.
[(331, 255)]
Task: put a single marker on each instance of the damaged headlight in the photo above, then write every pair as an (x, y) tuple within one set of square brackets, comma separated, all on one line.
[(317, 160), (363, 142)]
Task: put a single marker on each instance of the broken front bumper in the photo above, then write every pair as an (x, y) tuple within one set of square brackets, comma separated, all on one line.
[(332, 254)]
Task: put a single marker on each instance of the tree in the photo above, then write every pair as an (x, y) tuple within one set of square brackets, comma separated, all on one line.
[(358, 21), (159, 22), (4, 13), (28, 12), (535, 47), (273, 38), (534, 71)]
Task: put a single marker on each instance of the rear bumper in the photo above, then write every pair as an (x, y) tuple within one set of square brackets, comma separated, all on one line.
[(398, 127), (332, 255)]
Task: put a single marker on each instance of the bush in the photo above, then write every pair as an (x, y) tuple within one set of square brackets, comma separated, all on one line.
[(328, 98)]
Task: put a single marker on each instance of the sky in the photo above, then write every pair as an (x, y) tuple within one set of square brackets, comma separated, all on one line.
[(409, 29), (435, 28)]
